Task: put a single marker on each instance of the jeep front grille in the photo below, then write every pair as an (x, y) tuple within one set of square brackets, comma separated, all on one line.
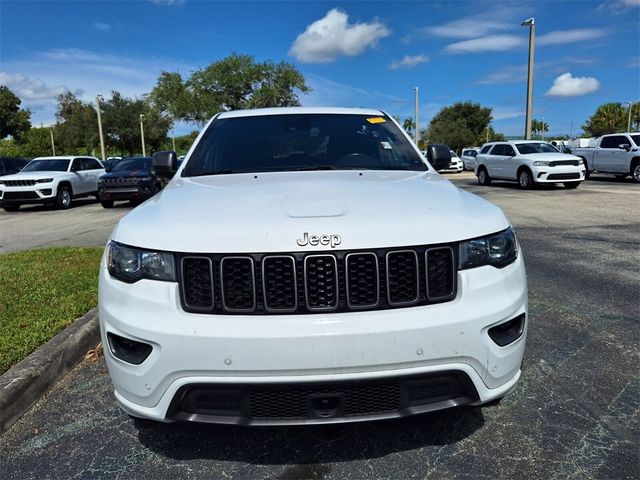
[(300, 283), (19, 183)]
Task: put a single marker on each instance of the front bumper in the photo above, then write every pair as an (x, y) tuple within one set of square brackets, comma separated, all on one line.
[(312, 349), (132, 192), (558, 174), (40, 193)]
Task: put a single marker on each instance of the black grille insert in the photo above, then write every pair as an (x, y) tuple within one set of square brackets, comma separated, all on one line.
[(402, 277), (237, 278), (440, 273), (197, 283), (557, 163), (563, 176), (321, 282), (279, 283), (362, 279)]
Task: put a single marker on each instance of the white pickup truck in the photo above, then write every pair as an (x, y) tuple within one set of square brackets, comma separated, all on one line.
[(617, 154)]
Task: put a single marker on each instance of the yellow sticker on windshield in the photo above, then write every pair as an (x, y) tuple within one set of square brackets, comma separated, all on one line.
[(376, 120)]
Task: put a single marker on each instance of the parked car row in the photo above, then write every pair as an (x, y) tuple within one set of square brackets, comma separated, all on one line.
[(58, 180)]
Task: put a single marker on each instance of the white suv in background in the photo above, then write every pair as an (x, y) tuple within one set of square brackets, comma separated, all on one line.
[(528, 162), (468, 158), (51, 180)]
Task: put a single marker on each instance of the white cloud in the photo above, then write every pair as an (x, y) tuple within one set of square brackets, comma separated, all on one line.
[(470, 27), (568, 86), (30, 89), (409, 61), (170, 3), (504, 113), (333, 36), (491, 43), (634, 62), (505, 75), (561, 37), (102, 26)]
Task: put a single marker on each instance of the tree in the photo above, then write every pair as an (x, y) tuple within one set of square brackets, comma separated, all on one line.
[(460, 125), (409, 125), (608, 118), (14, 121), (76, 130), (121, 122), (233, 83), (539, 127)]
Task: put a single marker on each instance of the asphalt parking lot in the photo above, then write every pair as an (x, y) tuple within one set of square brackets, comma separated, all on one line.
[(574, 414)]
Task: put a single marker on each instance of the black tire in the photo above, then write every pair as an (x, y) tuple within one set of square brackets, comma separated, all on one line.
[(483, 177), (635, 172), (106, 203), (525, 179), (63, 198), (571, 184), (12, 208)]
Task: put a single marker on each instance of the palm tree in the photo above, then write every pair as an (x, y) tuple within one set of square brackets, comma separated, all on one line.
[(409, 125)]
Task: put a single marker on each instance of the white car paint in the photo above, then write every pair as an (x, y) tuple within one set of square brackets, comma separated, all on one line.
[(511, 165), (271, 212), (468, 157), (33, 187), (607, 156)]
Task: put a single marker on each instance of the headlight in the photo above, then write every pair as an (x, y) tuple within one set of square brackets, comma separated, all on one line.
[(498, 250), (540, 164), (132, 264), (44, 180)]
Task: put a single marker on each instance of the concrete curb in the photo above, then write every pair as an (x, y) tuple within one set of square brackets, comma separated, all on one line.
[(24, 383)]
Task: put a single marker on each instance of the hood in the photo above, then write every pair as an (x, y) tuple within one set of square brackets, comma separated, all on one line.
[(127, 173), (35, 175), (268, 212), (549, 157)]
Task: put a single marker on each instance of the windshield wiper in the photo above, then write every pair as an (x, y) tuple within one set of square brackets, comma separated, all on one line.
[(311, 167), (218, 172)]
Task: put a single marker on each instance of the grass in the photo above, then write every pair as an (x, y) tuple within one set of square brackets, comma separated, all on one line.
[(41, 292)]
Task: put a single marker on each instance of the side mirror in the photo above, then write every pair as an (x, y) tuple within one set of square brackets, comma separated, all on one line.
[(624, 146), (439, 156), (164, 164)]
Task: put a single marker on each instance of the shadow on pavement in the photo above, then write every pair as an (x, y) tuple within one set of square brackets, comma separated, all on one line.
[(308, 445), (81, 202)]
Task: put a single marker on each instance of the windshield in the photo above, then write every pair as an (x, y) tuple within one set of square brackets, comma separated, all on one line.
[(525, 148), (453, 154), (636, 139), (278, 143), (128, 164), (47, 166)]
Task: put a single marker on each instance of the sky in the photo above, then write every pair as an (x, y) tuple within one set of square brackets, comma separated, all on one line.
[(352, 54)]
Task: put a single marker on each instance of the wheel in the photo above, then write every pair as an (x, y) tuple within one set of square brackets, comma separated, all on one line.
[(12, 208), (525, 179), (483, 176), (106, 203), (571, 184), (586, 169), (63, 199), (635, 172)]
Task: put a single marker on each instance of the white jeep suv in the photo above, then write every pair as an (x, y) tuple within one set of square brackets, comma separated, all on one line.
[(307, 265), (51, 180), (528, 162)]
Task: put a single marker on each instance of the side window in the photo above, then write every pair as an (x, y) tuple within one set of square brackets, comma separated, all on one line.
[(608, 142), (77, 165), (91, 164), (485, 149), (498, 150), (508, 150)]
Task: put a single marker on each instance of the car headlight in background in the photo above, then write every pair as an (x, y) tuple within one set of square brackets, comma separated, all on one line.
[(540, 164), (44, 180), (497, 250), (132, 264)]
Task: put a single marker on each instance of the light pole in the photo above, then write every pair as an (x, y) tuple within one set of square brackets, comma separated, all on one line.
[(629, 118), (144, 152), (530, 22), (53, 145), (173, 141), (98, 98), (542, 127), (415, 133)]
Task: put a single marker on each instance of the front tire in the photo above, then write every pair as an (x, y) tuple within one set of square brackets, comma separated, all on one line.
[(525, 179), (483, 177), (12, 208), (571, 184), (586, 169), (106, 203), (635, 172), (63, 199)]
